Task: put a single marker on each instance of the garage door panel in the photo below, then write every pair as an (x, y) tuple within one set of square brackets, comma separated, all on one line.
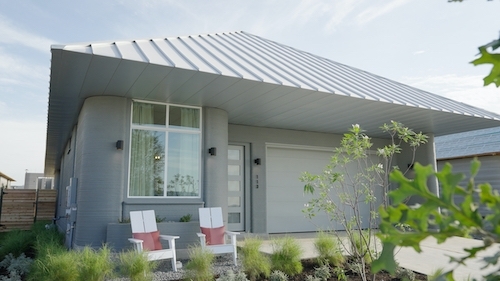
[(285, 192), (285, 197)]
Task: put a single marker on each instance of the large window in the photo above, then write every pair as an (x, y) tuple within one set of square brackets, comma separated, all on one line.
[(165, 151)]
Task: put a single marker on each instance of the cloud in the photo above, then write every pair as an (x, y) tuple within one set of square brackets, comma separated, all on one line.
[(17, 71), (11, 34), (374, 12), (468, 89), (419, 52), (23, 148)]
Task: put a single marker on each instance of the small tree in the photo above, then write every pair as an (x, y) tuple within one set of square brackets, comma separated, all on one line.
[(454, 213), (353, 180)]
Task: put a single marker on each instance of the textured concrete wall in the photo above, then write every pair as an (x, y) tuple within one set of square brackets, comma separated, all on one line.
[(100, 167), (215, 167)]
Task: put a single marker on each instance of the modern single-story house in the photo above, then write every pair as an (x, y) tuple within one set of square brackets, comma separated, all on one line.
[(225, 119), (461, 148)]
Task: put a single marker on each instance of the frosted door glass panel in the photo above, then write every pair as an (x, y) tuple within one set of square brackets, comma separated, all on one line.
[(233, 218), (233, 170), (233, 201), (233, 154), (233, 185)]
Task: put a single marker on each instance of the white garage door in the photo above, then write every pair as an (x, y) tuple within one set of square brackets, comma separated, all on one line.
[(285, 196)]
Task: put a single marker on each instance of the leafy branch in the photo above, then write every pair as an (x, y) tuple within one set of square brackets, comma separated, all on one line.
[(454, 213)]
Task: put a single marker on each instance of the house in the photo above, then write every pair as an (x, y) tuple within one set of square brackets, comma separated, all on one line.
[(225, 119), (5, 181), (461, 148), (31, 179)]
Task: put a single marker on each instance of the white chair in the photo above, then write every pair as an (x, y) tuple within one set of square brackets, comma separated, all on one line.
[(213, 233), (147, 237)]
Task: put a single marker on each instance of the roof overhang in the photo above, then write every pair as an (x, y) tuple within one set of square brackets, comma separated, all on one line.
[(79, 72)]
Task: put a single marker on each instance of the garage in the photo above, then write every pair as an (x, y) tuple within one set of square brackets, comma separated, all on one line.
[(285, 197)]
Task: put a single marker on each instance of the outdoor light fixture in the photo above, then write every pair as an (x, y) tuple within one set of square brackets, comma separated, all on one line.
[(257, 161), (119, 145), (212, 151)]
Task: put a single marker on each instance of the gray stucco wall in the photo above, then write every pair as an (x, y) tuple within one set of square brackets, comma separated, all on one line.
[(215, 168), (100, 167)]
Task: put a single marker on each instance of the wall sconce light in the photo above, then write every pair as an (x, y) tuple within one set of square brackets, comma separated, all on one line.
[(257, 161), (119, 145), (212, 151)]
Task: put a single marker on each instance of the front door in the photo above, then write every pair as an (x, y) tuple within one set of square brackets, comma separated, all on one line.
[(236, 188)]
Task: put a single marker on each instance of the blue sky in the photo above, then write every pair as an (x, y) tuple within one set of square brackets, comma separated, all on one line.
[(424, 43)]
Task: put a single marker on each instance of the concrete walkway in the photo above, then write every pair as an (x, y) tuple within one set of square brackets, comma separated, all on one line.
[(433, 256)]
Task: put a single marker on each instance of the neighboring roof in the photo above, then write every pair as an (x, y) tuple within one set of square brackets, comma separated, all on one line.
[(2, 175), (468, 144), (257, 81)]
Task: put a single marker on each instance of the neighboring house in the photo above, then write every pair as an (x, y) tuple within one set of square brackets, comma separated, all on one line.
[(31, 180), (460, 149), (227, 119), (5, 181)]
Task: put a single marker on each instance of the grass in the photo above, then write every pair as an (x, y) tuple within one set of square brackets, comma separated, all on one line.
[(136, 266), (255, 263), (199, 267), (286, 256), (328, 249)]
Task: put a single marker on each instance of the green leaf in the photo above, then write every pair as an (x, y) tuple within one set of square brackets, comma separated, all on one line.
[(386, 259), (489, 58)]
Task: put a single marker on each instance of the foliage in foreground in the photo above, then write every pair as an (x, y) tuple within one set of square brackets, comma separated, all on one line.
[(356, 180), (199, 267), (255, 263), (286, 256), (328, 249), (136, 266), (460, 214)]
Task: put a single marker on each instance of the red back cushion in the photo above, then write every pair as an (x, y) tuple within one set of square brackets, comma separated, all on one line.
[(151, 240), (214, 236)]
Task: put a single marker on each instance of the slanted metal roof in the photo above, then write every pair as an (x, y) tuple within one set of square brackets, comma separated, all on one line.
[(257, 81), (468, 144)]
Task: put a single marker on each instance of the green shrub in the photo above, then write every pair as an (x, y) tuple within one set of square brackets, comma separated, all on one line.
[(95, 265), (328, 249), (16, 267), (359, 246), (55, 266), (231, 276), (16, 242), (405, 274), (136, 266), (199, 267), (185, 218), (312, 278), (286, 256), (255, 263), (323, 272), (278, 275), (340, 273)]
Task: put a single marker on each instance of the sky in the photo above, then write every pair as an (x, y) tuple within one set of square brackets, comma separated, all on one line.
[(427, 44)]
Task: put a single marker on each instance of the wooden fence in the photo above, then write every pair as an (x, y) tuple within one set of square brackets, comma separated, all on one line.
[(22, 207)]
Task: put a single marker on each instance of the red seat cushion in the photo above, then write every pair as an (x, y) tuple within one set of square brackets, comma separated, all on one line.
[(214, 236), (151, 240)]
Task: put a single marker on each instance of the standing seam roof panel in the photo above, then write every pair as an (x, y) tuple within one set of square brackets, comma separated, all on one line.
[(130, 51), (152, 53), (208, 43), (282, 65), (173, 55), (210, 58), (257, 67), (107, 50), (195, 58), (292, 60)]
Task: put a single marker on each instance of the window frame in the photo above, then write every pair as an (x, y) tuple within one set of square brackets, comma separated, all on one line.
[(167, 129)]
